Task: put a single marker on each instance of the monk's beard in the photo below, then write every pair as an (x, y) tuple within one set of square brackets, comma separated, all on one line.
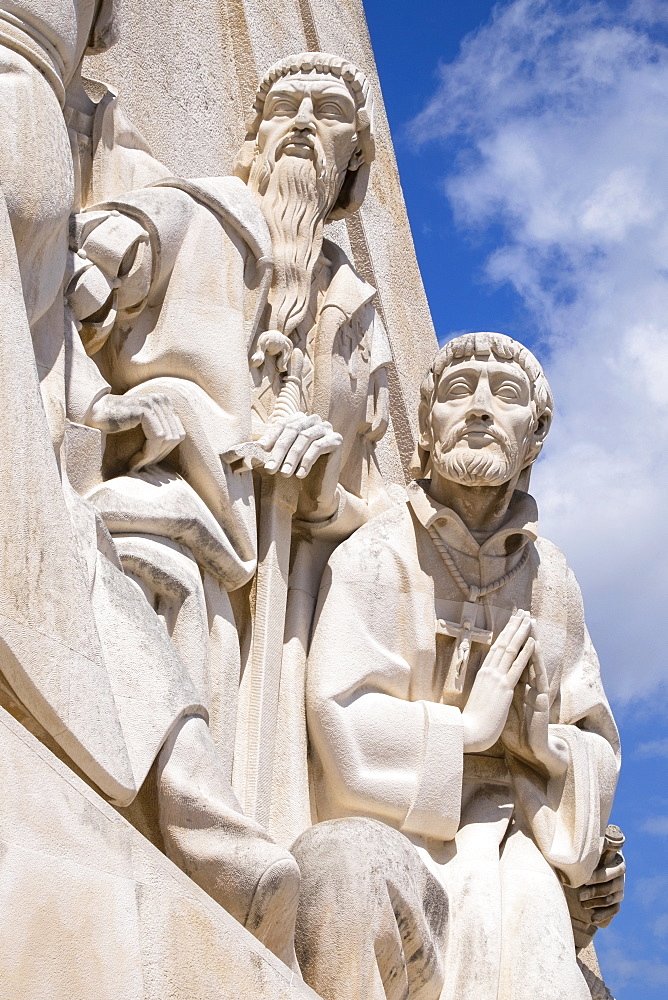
[(492, 465), (296, 196)]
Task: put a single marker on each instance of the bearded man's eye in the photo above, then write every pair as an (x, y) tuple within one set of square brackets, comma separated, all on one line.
[(283, 108), (459, 389)]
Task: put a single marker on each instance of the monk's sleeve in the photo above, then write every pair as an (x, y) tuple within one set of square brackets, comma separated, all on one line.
[(569, 814), (376, 751)]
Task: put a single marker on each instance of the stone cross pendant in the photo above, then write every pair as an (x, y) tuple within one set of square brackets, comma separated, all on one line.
[(466, 634)]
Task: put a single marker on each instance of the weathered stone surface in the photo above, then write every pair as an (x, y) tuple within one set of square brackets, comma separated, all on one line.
[(90, 907), (208, 414)]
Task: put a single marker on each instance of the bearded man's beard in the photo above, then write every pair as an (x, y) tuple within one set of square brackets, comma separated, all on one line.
[(296, 196), (493, 465)]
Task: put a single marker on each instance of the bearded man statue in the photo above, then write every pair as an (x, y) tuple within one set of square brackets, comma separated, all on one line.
[(464, 757), (307, 159), (220, 303)]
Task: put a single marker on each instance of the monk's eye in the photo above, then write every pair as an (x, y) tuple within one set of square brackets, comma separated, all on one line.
[(508, 391), (458, 389)]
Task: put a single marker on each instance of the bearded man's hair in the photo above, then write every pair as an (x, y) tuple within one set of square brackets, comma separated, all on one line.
[(353, 188)]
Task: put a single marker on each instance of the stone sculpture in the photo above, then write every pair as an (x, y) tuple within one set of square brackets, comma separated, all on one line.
[(313, 136), (194, 385), (464, 754), (241, 264), (90, 667)]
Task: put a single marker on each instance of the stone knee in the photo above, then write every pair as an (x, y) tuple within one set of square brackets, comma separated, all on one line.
[(344, 853), (372, 920)]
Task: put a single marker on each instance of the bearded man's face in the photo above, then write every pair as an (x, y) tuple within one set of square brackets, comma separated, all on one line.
[(309, 117), (480, 429), (305, 145)]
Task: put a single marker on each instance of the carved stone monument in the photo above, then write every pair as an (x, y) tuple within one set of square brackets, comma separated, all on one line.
[(278, 717)]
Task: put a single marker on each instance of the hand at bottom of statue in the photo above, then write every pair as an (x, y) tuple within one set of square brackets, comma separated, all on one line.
[(295, 443), (604, 891), (155, 414), (488, 704)]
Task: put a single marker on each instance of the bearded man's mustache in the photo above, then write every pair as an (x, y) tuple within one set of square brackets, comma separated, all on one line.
[(461, 431), (477, 466), (265, 163), (304, 138)]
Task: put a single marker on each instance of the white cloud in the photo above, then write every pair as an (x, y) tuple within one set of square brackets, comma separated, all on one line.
[(651, 891), (560, 116), (623, 969), (653, 748), (657, 825)]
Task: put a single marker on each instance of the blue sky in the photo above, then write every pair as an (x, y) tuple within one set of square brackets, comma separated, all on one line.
[(532, 140)]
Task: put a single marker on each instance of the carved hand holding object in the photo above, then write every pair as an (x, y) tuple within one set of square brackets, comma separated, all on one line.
[(153, 411)]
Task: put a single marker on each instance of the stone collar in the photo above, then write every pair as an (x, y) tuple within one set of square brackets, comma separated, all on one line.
[(521, 521)]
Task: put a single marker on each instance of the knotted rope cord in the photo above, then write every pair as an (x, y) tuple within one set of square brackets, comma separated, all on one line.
[(474, 593), (288, 400)]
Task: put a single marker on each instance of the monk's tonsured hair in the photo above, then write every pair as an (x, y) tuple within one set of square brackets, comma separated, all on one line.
[(318, 63), (503, 348)]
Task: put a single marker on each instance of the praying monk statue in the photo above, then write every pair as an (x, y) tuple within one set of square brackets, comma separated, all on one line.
[(85, 662), (464, 757)]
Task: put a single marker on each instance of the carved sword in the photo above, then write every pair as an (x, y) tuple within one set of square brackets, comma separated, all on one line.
[(279, 496)]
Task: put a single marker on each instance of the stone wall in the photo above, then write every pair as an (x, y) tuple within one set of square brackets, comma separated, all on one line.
[(92, 909)]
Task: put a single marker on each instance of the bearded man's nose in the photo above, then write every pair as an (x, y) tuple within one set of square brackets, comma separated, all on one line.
[(304, 117)]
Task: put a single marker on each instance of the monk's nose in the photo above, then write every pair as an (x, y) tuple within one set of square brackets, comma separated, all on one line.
[(480, 406)]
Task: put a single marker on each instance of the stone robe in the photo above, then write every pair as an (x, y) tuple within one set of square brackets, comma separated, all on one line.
[(185, 531), (386, 736), (41, 48), (83, 661)]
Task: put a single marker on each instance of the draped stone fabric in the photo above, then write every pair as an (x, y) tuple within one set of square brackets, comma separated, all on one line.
[(69, 668), (386, 736)]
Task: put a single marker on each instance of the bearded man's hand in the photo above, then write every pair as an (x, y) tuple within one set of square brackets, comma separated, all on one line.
[(294, 445), (486, 711), (530, 736), (604, 892)]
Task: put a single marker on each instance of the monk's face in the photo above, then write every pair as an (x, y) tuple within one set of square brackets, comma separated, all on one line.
[(309, 117), (482, 422)]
